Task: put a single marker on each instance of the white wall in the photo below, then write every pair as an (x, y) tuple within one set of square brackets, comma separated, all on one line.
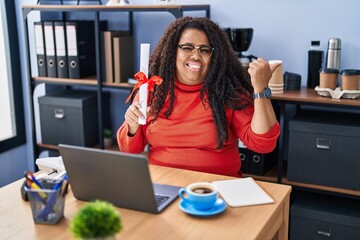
[(283, 29)]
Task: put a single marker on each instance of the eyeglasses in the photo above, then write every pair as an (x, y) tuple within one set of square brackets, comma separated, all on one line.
[(189, 49)]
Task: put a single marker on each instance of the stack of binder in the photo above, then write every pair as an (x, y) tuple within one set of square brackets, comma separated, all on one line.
[(118, 55), (256, 163), (65, 49)]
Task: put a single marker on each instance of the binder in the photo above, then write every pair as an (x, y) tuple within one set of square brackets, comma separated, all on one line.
[(40, 48), (108, 50), (123, 56), (80, 41), (61, 55), (244, 157), (50, 49), (260, 164)]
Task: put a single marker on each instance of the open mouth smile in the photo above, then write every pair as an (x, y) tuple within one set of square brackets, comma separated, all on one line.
[(194, 67)]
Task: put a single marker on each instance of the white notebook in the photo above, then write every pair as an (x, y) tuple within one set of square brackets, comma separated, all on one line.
[(242, 192)]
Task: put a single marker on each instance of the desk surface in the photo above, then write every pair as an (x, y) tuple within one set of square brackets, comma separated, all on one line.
[(254, 222)]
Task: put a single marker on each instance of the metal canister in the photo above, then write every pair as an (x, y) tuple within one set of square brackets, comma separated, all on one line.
[(333, 53)]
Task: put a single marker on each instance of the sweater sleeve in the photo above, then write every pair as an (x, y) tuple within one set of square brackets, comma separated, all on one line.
[(131, 144), (260, 143)]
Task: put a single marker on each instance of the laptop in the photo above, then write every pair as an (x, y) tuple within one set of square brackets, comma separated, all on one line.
[(122, 179)]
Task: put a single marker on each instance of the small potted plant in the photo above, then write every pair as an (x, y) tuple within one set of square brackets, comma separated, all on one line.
[(96, 220), (108, 137)]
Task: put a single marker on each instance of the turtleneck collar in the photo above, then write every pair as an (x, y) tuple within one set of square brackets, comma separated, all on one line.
[(188, 88)]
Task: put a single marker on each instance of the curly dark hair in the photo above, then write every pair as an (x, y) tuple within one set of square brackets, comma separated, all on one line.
[(226, 84)]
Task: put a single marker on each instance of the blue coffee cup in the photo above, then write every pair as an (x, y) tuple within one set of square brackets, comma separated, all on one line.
[(201, 195)]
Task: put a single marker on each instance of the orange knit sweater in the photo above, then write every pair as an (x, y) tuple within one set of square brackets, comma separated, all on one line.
[(187, 139)]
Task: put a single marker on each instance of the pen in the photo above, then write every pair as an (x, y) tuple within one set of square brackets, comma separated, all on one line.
[(35, 180), (39, 192), (51, 200), (33, 183), (29, 175), (65, 186)]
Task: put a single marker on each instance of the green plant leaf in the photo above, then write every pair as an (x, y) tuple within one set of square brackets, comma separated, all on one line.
[(96, 219), (107, 133)]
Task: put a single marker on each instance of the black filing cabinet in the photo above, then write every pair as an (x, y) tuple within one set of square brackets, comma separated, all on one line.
[(318, 216), (69, 117), (324, 149)]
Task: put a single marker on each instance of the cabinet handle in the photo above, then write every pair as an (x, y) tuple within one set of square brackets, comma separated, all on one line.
[(325, 234), (59, 113), (323, 143)]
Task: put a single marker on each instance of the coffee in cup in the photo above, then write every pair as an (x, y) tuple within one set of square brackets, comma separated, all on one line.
[(201, 195)]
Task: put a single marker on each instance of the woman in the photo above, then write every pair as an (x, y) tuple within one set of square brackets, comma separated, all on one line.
[(204, 104)]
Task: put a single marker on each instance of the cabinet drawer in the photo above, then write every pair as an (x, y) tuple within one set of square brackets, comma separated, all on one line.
[(324, 149), (320, 216), (308, 229), (69, 117)]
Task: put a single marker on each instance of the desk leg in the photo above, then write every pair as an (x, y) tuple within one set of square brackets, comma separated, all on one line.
[(283, 233)]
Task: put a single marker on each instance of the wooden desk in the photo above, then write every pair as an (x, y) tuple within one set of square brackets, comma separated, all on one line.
[(255, 222)]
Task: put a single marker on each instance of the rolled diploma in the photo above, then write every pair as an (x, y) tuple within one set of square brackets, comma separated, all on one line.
[(143, 90)]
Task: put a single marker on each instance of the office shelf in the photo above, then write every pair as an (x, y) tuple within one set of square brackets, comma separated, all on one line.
[(119, 85), (47, 146), (353, 193), (66, 81), (270, 176), (176, 10), (91, 81), (309, 98)]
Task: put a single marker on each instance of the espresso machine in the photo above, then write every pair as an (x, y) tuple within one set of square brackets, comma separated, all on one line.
[(240, 39)]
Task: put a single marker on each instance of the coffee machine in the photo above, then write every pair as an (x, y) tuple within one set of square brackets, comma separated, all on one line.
[(240, 39)]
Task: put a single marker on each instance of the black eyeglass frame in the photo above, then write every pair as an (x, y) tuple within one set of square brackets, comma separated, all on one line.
[(197, 47)]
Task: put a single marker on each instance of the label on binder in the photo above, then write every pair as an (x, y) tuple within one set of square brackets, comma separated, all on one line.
[(71, 40)]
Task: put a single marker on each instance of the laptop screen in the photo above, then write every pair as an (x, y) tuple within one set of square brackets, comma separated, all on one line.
[(120, 178)]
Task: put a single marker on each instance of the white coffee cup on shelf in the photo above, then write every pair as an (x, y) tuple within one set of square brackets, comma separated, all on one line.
[(276, 82), (277, 75)]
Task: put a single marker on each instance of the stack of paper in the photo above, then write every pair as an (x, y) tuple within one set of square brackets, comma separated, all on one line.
[(242, 192)]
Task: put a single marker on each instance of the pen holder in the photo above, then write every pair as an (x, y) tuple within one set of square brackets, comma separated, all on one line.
[(47, 205)]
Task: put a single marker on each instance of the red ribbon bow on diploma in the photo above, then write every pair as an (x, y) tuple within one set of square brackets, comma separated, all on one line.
[(141, 77)]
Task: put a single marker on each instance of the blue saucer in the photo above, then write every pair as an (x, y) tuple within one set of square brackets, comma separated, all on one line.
[(219, 207)]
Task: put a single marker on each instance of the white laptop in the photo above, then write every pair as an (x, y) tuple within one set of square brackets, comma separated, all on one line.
[(122, 179)]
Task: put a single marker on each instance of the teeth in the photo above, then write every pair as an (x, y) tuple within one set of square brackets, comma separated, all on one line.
[(194, 66)]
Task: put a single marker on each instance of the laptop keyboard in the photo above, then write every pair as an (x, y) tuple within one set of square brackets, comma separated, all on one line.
[(160, 199)]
